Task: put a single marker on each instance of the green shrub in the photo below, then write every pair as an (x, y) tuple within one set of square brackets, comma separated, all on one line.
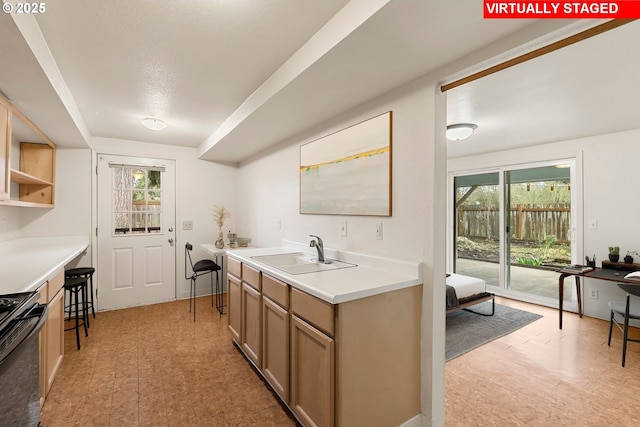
[(530, 260)]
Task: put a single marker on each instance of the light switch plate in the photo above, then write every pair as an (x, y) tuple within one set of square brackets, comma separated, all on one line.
[(378, 231), (343, 228)]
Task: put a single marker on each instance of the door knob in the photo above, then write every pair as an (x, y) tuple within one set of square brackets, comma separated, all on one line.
[(171, 241), (170, 229)]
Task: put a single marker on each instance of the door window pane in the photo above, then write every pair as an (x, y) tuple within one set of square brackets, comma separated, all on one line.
[(137, 200)]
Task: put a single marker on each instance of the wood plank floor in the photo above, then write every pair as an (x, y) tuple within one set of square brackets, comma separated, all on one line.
[(543, 376), (154, 366)]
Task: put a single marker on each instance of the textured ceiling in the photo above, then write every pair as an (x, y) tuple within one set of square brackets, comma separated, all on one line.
[(190, 64), (234, 77)]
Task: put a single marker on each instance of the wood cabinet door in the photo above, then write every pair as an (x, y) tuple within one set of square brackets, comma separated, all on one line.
[(55, 338), (275, 346), (312, 374), (251, 324), (5, 144), (235, 310)]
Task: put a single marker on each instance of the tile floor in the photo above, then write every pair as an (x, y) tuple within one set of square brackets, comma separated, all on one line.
[(155, 366), (543, 376)]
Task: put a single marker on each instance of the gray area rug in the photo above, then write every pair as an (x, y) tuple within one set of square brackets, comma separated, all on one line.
[(466, 331)]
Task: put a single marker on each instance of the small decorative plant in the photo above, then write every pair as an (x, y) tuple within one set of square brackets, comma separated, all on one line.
[(220, 214), (614, 253), (629, 258)]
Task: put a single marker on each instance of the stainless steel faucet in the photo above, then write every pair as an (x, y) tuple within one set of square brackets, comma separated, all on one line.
[(319, 247)]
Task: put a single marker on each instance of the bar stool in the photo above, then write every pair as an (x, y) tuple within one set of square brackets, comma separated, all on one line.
[(86, 272), (76, 286), (204, 266)]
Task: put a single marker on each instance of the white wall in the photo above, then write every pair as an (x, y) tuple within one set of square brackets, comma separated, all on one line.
[(199, 186), (609, 181), (72, 212), (269, 189), (269, 186)]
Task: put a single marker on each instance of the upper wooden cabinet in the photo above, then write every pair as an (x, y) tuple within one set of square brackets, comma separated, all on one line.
[(27, 161)]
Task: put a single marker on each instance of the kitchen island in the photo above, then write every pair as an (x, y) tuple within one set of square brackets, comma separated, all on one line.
[(340, 347)]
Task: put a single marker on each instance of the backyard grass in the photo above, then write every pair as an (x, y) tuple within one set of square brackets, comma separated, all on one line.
[(543, 254)]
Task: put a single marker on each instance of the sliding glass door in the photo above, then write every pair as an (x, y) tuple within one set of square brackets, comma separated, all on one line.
[(513, 228), (538, 229), (477, 226)]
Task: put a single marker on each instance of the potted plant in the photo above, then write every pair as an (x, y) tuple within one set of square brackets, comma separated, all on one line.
[(614, 253), (629, 258)]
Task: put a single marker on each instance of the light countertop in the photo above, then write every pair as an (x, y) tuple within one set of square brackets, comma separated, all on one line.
[(27, 262), (371, 276)]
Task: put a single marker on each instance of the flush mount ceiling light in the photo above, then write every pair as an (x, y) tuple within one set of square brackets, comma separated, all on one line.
[(460, 131), (153, 124)]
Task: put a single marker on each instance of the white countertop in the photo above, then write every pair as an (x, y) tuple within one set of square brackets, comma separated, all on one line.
[(27, 262), (211, 249), (371, 276)]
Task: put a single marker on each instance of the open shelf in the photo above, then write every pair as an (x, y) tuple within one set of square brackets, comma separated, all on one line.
[(20, 177), (30, 160), (23, 204)]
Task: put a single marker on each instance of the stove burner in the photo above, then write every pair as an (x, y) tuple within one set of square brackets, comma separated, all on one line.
[(7, 304)]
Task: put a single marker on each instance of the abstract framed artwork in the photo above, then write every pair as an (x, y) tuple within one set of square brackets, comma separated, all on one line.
[(348, 172)]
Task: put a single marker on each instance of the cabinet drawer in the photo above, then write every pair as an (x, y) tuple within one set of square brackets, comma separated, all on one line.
[(251, 276), (276, 290), (313, 310), (55, 284), (234, 267)]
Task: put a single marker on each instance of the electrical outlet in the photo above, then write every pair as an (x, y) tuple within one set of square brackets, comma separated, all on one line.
[(378, 231), (187, 225), (594, 294), (343, 228), (279, 224)]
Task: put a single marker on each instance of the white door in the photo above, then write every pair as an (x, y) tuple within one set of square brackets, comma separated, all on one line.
[(136, 221)]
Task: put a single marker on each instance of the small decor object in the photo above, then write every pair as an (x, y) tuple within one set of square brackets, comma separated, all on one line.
[(243, 242), (232, 239), (629, 257), (220, 214), (614, 253)]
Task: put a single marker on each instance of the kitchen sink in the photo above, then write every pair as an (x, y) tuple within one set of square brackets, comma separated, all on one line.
[(299, 263)]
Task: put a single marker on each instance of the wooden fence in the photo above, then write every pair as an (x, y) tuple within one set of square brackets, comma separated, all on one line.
[(532, 223)]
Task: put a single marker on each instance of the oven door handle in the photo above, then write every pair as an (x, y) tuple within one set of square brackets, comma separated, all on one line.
[(22, 328), (36, 310)]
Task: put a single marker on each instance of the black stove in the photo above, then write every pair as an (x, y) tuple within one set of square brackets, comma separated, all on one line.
[(21, 319), (7, 304), (10, 303)]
